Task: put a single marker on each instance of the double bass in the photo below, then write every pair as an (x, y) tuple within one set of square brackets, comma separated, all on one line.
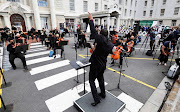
[(116, 54)]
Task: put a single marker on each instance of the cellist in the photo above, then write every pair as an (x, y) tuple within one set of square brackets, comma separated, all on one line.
[(121, 44)]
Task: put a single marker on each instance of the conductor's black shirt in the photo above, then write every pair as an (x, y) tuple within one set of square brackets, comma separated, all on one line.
[(103, 47)]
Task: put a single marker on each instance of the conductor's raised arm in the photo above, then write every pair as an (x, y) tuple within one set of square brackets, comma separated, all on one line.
[(92, 28)]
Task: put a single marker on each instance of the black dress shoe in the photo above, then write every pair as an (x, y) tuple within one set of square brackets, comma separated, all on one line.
[(14, 68), (95, 103), (102, 95), (25, 68)]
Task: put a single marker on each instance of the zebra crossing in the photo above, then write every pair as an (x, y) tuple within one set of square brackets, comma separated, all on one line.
[(63, 101)]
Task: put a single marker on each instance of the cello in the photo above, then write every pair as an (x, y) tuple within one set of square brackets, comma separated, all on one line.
[(116, 54)]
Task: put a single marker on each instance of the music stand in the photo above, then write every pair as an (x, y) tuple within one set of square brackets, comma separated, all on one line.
[(84, 63)]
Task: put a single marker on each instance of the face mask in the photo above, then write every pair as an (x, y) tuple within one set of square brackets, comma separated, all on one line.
[(12, 43)]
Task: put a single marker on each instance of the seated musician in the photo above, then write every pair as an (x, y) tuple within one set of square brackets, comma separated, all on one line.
[(165, 51), (118, 44), (82, 39), (130, 45), (48, 41), (57, 45), (15, 54), (21, 40)]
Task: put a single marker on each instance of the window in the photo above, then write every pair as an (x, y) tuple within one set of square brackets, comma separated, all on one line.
[(136, 3), (44, 22), (126, 2), (69, 23), (152, 2), (96, 21), (151, 12), (85, 4), (176, 10), (42, 3), (96, 6), (173, 23), (14, 0), (162, 12), (105, 7), (125, 12), (164, 2), (72, 7), (130, 12), (120, 1), (134, 13), (144, 13), (145, 3), (131, 2), (115, 21), (119, 9), (160, 22)]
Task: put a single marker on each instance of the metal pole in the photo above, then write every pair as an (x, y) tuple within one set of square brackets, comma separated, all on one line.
[(3, 76), (3, 103)]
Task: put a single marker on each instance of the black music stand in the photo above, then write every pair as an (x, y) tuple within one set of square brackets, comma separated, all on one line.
[(61, 44), (77, 66)]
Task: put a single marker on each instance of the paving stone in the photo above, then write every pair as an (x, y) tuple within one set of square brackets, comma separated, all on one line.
[(166, 108), (175, 89), (172, 96)]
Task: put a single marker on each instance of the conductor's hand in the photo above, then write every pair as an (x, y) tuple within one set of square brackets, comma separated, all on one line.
[(90, 16)]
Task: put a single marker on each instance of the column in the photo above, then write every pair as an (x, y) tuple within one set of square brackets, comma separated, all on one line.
[(118, 23), (53, 14), (28, 22), (108, 22), (36, 14), (7, 21), (25, 2)]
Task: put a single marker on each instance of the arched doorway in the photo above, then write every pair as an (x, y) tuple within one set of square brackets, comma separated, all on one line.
[(18, 21)]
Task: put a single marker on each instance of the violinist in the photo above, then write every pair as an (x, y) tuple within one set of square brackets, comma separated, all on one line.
[(13, 54), (57, 44), (42, 35)]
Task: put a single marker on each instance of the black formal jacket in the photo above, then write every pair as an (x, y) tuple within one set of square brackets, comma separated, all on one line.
[(10, 49), (103, 48)]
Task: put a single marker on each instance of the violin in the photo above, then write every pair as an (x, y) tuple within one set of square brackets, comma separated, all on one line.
[(116, 54), (93, 48)]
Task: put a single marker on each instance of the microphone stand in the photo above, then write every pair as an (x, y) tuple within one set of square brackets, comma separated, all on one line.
[(120, 71)]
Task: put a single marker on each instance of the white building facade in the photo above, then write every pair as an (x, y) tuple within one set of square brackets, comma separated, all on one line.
[(50, 14)]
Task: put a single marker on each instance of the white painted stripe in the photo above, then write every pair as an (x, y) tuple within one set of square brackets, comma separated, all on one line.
[(36, 43), (65, 100), (131, 104), (38, 60), (55, 79), (36, 46), (37, 54), (48, 67), (34, 50)]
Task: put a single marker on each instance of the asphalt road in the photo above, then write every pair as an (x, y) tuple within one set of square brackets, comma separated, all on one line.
[(48, 85)]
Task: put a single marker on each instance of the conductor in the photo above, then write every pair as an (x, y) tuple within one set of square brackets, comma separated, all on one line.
[(13, 54), (98, 61)]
